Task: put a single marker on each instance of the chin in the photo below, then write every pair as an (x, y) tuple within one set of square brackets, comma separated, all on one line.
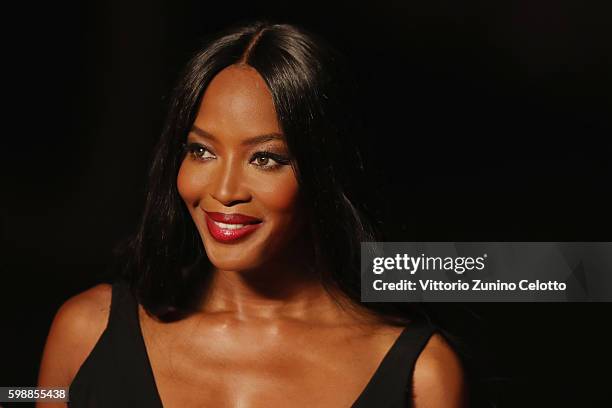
[(232, 259), (231, 265)]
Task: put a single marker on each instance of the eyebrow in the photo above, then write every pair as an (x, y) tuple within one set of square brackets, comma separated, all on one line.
[(255, 140)]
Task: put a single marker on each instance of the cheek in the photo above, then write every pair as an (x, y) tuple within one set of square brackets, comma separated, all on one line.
[(189, 184), (279, 196)]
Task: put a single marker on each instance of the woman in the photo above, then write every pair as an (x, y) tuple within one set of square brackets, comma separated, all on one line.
[(242, 284)]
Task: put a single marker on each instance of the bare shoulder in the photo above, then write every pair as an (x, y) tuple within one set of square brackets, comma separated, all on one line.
[(76, 328), (438, 376)]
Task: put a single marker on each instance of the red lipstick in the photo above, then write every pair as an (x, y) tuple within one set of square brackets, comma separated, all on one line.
[(230, 227)]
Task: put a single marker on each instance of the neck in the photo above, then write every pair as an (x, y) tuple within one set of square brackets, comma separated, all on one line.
[(286, 287)]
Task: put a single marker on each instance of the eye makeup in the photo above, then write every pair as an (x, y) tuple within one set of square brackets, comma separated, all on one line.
[(260, 158)]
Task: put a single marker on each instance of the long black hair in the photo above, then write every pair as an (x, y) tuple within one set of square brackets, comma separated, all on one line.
[(316, 102)]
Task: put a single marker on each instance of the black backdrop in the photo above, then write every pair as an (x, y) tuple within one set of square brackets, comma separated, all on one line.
[(488, 121)]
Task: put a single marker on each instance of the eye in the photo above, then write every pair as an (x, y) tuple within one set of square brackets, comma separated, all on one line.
[(269, 160), (199, 152), (262, 160)]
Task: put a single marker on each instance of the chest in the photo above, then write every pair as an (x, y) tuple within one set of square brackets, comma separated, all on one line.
[(253, 367)]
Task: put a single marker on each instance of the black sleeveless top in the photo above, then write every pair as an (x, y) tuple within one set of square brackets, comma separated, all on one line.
[(117, 373)]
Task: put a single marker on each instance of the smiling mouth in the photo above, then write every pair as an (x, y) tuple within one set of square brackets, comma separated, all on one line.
[(230, 227)]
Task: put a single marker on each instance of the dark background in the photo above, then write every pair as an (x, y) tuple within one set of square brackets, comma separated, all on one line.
[(488, 121)]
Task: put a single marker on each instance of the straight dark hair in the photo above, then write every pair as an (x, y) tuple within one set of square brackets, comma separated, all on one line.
[(314, 96)]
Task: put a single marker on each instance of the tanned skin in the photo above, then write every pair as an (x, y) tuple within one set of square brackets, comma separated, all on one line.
[(267, 333)]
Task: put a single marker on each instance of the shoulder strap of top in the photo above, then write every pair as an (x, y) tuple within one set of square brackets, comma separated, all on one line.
[(120, 325), (124, 327), (127, 329), (118, 373), (392, 382)]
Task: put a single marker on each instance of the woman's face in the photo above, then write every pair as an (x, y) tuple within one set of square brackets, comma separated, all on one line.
[(236, 179)]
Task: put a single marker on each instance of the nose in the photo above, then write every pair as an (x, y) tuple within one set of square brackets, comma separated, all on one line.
[(228, 184)]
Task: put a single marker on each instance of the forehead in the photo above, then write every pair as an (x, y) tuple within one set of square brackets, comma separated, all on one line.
[(237, 104)]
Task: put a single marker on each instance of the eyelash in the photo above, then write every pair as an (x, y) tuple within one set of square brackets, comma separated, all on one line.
[(193, 148)]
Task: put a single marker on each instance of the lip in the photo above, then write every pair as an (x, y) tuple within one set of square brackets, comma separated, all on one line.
[(232, 218), (250, 224)]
